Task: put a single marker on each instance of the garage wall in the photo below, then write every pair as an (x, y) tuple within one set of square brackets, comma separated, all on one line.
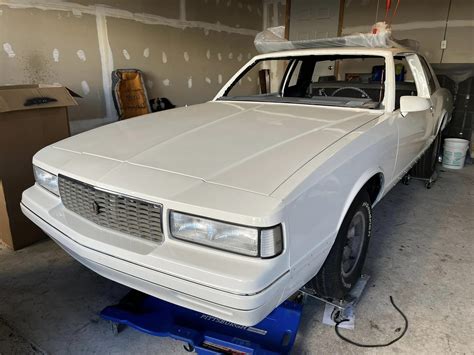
[(53, 47), (274, 12), (314, 19), (460, 33), (186, 48), (423, 20)]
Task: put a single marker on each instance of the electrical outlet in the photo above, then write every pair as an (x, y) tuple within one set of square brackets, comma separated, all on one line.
[(444, 44)]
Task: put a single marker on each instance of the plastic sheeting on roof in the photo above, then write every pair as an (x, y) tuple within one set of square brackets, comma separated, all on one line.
[(273, 40)]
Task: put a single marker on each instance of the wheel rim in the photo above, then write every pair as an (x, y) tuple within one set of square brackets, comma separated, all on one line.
[(353, 245)]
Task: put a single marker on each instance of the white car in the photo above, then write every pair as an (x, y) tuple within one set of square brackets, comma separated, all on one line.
[(229, 207)]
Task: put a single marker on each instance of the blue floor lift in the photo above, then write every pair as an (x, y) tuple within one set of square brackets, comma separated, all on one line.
[(205, 334)]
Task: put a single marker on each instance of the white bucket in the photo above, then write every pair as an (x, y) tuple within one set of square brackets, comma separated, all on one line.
[(454, 153)]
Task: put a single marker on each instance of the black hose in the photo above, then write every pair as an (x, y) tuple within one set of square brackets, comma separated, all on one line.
[(375, 345)]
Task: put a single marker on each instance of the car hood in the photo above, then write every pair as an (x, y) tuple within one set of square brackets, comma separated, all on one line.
[(248, 146)]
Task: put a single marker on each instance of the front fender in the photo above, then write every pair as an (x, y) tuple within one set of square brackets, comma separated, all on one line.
[(357, 187), (327, 185)]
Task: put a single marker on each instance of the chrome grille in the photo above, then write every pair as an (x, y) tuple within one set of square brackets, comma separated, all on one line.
[(120, 213)]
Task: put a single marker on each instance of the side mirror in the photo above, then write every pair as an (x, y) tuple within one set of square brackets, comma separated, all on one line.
[(413, 104)]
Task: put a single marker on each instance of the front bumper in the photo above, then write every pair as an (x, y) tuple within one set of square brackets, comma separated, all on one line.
[(70, 232)]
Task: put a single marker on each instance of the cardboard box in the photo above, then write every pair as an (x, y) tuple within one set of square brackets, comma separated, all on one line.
[(31, 117)]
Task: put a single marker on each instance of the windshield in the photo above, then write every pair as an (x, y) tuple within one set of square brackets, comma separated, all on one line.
[(344, 81)]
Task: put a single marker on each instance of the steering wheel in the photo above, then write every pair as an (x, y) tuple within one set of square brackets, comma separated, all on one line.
[(364, 94)]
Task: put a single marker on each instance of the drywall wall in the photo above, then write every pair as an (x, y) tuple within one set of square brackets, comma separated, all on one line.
[(427, 21), (460, 33), (186, 48), (274, 12), (423, 20), (188, 66), (314, 19), (53, 47)]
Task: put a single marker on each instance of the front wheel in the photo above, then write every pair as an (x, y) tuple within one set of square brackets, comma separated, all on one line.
[(343, 266)]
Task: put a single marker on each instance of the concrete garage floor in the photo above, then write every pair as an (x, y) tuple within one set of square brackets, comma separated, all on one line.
[(421, 254)]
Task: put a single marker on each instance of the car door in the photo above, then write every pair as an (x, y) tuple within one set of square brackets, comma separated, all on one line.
[(415, 129), (439, 99)]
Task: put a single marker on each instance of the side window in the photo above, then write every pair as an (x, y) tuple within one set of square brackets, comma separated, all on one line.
[(429, 76), (295, 74), (404, 80), (297, 84)]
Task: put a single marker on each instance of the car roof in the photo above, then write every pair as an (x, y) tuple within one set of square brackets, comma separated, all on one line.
[(337, 50)]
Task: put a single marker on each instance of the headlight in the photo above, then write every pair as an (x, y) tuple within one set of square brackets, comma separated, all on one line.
[(46, 180), (243, 240)]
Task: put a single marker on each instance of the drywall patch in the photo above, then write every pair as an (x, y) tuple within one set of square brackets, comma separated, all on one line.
[(107, 62), (231, 55), (239, 57), (208, 54), (81, 55), (56, 55), (208, 80), (190, 82), (219, 56), (186, 56), (249, 79), (219, 78), (126, 54), (164, 57), (85, 88), (146, 52), (150, 84), (148, 19), (38, 67), (7, 47), (166, 82), (76, 12), (182, 10)]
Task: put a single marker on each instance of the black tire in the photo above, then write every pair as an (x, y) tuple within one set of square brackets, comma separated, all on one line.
[(332, 280), (425, 167)]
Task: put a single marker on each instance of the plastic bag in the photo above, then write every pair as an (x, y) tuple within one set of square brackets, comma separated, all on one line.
[(273, 40)]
